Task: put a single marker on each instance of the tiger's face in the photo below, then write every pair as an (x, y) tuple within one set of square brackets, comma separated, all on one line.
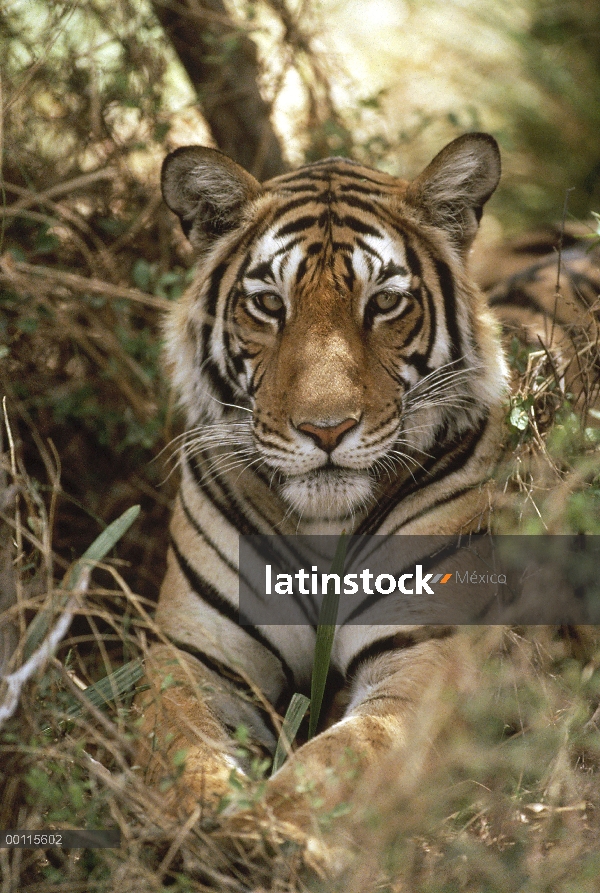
[(333, 305)]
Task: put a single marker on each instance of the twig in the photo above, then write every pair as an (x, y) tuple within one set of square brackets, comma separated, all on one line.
[(18, 529), (78, 227), (81, 283), (2, 192), (559, 264), (8, 589), (15, 681), (177, 843), (29, 198), (550, 359), (33, 69)]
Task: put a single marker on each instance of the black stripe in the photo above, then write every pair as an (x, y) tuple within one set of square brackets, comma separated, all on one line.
[(427, 562), (207, 592), (325, 168), (432, 318), (262, 271), (419, 361), (516, 296), (295, 226), (353, 201), (368, 249), (221, 387), (285, 249), (413, 260), (446, 281), (345, 188), (359, 226), (390, 269), (224, 390), (228, 506), (455, 456), (291, 205), (228, 673), (308, 606), (202, 533), (408, 337), (456, 495), (396, 642), (301, 269), (349, 277), (311, 188), (212, 295)]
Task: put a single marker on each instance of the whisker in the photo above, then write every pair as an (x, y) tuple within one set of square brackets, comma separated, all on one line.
[(259, 459), (229, 405)]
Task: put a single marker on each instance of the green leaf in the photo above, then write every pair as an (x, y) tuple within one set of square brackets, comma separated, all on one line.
[(519, 418), (325, 634), (110, 687), (142, 274), (104, 542), (291, 723)]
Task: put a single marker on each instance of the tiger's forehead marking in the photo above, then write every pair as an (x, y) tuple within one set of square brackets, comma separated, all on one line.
[(330, 229), (361, 268), (344, 173)]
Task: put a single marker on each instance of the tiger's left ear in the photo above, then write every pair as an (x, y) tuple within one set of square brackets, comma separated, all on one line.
[(453, 189)]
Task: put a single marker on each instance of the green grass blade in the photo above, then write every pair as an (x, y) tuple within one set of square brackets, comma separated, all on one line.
[(324, 642), (110, 687), (39, 626), (103, 543), (291, 723)]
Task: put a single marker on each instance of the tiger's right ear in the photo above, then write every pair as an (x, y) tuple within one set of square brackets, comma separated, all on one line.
[(207, 191)]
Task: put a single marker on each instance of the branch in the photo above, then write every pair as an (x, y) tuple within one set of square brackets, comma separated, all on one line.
[(10, 271)]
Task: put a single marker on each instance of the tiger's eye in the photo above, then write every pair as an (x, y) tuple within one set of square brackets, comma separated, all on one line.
[(269, 303), (385, 301)]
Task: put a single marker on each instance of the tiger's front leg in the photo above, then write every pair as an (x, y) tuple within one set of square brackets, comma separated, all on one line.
[(182, 741), (396, 705), (394, 699)]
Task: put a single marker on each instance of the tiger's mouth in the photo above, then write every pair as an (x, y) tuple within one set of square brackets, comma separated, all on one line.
[(328, 493)]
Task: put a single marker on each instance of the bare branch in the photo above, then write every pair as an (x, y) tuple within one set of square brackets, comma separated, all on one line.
[(10, 269)]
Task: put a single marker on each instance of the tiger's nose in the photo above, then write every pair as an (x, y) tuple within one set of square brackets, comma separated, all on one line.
[(327, 437)]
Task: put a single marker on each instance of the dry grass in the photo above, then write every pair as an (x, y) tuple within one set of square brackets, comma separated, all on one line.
[(507, 800)]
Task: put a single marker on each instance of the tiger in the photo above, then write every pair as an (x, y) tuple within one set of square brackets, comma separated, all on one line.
[(339, 371)]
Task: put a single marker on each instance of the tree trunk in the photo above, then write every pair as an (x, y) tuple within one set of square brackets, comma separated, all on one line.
[(221, 62)]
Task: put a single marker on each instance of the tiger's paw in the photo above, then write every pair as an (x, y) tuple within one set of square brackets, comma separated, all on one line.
[(299, 839)]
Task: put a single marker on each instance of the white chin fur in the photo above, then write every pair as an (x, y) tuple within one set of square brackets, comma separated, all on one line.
[(327, 495)]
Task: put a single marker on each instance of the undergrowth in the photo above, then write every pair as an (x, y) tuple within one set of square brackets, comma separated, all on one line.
[(507, 801)]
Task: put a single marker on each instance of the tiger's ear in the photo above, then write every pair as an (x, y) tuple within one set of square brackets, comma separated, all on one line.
[(453, 189), (207, 191)]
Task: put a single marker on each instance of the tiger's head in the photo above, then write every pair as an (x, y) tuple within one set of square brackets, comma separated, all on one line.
[(332, 318)]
